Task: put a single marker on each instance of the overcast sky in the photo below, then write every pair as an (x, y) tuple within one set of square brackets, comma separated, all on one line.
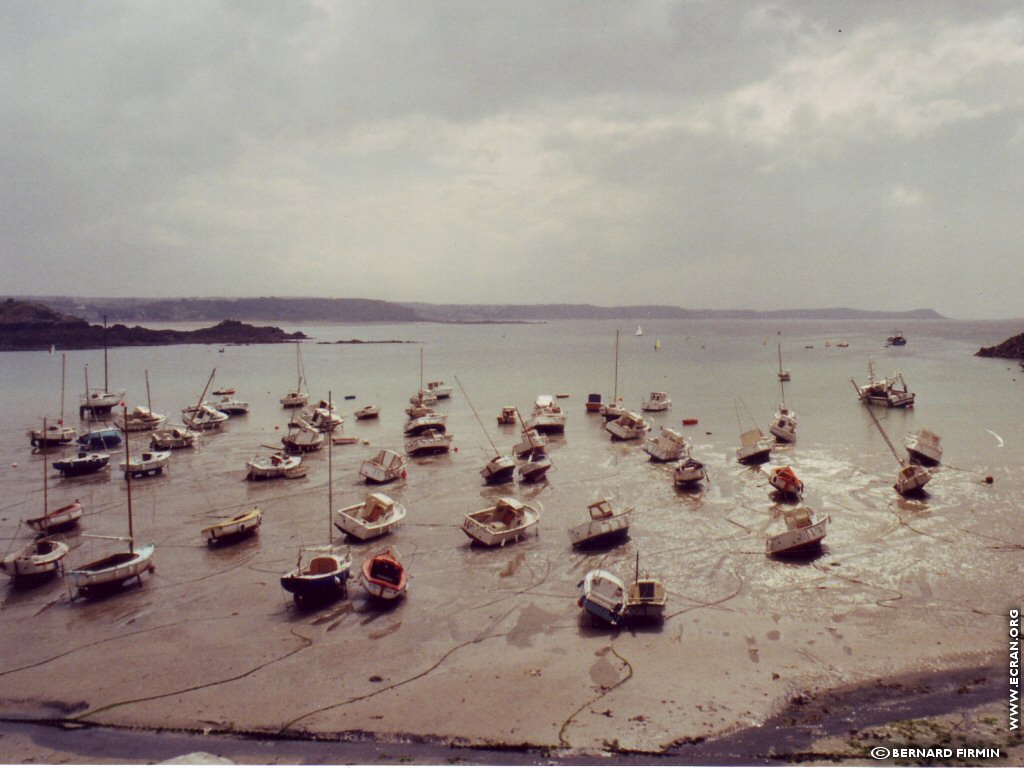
[(702, 154)]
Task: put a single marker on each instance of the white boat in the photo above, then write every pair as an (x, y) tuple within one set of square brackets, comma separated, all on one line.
[(891, 392), (244, 524), (911, 478), (423, 397), (56, 520), (298, 397), (602, 596), (499, 469), (783, 426), (657, 401), (755, 447), (139, 419), (384, 467), (639, 331), (114, 570), (646, 597), (275, 465), (669, 445), (509, 414), (146, 463), (785, 481), (531, 442), (803, 534), (367, 412), (384, 576), (428, 442), (441, 390), (784, 374), (376, 516), (689, 472), (172, 437), (97, 400), (230, 405), (605, 525), (629, 426), (535, 468), (54, 431), (613, 409), (36, 560), (436, 422), (302, 437), (319, 417), (204, 418), (226, 390), (548, 417), (924, 447), (507, 521)]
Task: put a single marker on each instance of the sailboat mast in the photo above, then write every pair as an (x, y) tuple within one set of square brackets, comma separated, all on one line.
[(46, 505), (615, 397), (202, 397), (885, 437), (493, 447), (782, 380), (149, 401), (128, 479), (330, 472), (421, 369), (63, 369), (106, 379)]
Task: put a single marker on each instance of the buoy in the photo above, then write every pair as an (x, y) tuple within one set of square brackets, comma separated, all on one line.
[(990, 480), (456, 449)]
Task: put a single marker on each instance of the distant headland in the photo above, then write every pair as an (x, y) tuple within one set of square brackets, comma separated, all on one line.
[(342, 310)]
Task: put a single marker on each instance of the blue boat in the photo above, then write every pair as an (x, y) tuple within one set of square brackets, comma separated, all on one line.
[(98, 439), (603, 596), (324, 577), (82, 464)]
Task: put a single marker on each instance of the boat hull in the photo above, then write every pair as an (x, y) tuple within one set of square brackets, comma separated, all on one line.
[(384, 577), (596, 533), (39, 560), (112, 572), (797, 542), (234, 528), (325, 579), (82, 465), (58, 520)]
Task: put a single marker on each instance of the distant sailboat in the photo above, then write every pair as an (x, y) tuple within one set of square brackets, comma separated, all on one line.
[(639, 331)]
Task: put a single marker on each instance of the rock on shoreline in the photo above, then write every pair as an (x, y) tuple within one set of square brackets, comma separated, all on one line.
[(26, 326), (1012, 348)]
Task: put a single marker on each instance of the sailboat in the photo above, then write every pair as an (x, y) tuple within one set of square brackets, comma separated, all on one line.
[(201, 416), (321, 573), (614, 409), (58, 519), (100, 400), (639, 331), (784, 424), (755, 445), (911, 477), (54, 433), (116, 569), (298, 397), (423, 397), (645, 597), (101, 437), (141, 418), (499, 469)]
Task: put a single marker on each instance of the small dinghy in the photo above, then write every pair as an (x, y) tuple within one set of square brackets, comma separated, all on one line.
[(604, 526), (40, 559), (172, 438), (244, 524), (507, 521), (803, 534), (602, 596), (378, 515), (383, 575), (785, 481)]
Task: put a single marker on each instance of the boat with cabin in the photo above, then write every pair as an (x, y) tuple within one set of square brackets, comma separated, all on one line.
[(924, 447), (367, 412), (646, 597), (548, 418), (302, 437), (173, 438), (629, 426), (441, 390), (689, 472), (509, 414), (428, 442), (384, 467), (83, 463), (298, 397), (785, 481), (911, 478), (891, 392), (755, 447), (657, 401), (146, 463), (507, 521), (275, 465), (375, 516), (602, 597), (803, 533), (535, 467), (139, 419), (604, 526), (669, 445)]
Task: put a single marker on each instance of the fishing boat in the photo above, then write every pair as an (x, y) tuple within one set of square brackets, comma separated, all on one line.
[(896, 340), (97, 400), (147, 463), (298, 397), (416, 411), (498, 469), (657, 401), (924, 447), (303, 437), (548, 418), (507, 521), (755, 447), (35, 561), (230, 528), (139, 419), (669, 445), (646, 597), (614, 408), (602, 597), (429, 442), (629, 426), (604, 526), (322, 572), (275, 465), (803, 534), (441, 390), (367, 412), (54, 432), (384, 467), (100, 438), (114, 570), (911, 478), (785, 481), (384, 576), (173, 437), (376, 516), (509, 414), (689, 472), (84, 463), (535, 468), (891, 392)]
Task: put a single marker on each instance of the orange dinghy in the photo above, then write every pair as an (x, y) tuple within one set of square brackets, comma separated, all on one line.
[(384, 576)]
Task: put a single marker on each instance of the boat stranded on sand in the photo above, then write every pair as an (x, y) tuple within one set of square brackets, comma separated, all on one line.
[(244, 524)]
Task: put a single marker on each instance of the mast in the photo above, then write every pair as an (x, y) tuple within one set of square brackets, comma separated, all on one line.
[(128, 479), (615, 397), (87, 407), (202, 396), (421, 369), (63, 368), (496, 452), (149, 401), (106, 380), (330, 474), (46, 506), (885, 437), (782, 382)]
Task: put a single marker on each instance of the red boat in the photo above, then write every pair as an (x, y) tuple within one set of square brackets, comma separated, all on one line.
[(786, 481), (384, 575)]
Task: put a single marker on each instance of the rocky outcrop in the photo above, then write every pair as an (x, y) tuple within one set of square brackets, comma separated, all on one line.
[(28, 326), (1012, 348)]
